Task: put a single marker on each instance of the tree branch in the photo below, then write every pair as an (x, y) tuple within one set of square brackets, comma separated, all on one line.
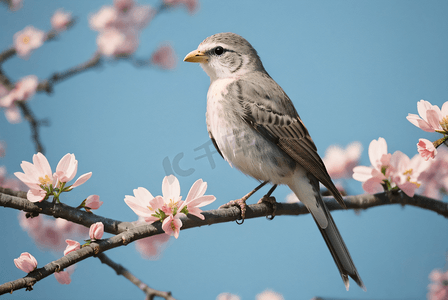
[(120, 270), (128, 232), (47, 84)]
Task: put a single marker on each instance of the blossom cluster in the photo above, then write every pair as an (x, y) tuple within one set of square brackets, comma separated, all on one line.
[(119, 27), (170, 207), (390, 171), (50, 233), (43, 183), (431, 119)]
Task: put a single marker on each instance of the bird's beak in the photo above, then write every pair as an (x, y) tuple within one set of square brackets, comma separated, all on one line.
[(196, 56)]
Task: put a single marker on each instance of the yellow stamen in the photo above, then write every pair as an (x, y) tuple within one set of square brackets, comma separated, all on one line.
[(45, 180), (444, 123), (416, 183), (408, 172), (26, 39), (150, 208)]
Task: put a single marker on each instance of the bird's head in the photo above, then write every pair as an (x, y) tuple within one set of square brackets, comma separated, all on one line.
[(225, 55)]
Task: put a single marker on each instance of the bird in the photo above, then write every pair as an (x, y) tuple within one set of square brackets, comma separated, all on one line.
[(255, 127)]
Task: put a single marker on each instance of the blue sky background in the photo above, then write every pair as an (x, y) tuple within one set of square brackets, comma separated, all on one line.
[(354, 70)]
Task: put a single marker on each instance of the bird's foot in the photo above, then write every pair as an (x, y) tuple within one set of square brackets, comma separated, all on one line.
[(241, 203), (273, 203)]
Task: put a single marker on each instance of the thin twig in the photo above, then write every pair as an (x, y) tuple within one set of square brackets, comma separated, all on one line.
[(47, 84), (120, 270), (34, 125)]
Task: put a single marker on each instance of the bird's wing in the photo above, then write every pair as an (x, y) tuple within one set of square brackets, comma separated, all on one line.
[(279, 122)]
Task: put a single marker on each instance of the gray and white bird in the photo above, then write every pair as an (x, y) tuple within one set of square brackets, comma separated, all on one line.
[(255, 127)]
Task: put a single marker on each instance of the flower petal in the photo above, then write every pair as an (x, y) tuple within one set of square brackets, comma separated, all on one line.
[(36, 195), (170, 188), (373, 186), (82, 179), (197, 190), (362, 173), (417, 121), (433, 119), (201, 201), (376, 150)]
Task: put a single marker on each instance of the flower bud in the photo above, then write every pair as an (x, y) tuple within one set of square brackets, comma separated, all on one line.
[(26, 262), (96, 231)]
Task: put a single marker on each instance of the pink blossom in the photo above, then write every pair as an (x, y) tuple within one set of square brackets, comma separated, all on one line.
[(26, 262), (49, 237), (93, 202), (169, 207), (426, 149), (96, 231), (171, 225), (395, 170), (63, 277), (152, 247), (13, 115), (104, 18), (71, 246), (227, 296), (340, 162), (27, 40), (23, 90), (60, 20), (405, 172), (37, 176), (164, 57), (196, 199), (269, 295), (431, 117), (438, 288), (191, 5)]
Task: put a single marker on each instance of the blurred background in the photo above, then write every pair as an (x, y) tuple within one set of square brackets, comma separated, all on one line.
[(354, 70)]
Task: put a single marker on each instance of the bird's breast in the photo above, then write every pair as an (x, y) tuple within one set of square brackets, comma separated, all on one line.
[(239, 143)]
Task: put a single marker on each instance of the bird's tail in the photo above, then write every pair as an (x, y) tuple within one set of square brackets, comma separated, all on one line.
[(311, 198)]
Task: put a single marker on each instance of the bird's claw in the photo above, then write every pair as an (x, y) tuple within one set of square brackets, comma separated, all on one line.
[(241, 203), (271, 200)]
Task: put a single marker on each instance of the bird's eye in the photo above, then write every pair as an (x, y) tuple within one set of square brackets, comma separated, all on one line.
[(219, 50)]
